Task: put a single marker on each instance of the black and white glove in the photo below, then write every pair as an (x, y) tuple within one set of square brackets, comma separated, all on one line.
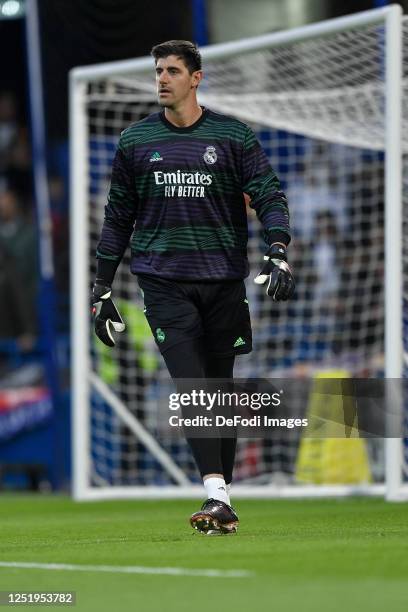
[(106, 315), (277, 274)]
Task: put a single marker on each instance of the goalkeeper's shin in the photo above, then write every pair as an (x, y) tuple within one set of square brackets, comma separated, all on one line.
[(106, 316)]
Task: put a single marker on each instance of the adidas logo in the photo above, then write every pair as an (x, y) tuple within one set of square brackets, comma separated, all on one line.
[(155, 157), (239, 342)]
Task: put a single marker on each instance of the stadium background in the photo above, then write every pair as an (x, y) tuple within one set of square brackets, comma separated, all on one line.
[(34, 330), (309, 554)]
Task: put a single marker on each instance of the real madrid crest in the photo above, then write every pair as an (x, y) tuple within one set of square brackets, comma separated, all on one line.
[(210, 156)]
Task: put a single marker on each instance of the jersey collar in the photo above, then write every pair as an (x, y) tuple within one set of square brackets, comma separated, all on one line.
[(182, 130)]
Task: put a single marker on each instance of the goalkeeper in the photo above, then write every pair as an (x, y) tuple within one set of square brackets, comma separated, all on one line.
[(177, 194)]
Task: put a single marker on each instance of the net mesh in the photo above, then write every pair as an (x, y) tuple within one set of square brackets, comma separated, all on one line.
[(317, 106)]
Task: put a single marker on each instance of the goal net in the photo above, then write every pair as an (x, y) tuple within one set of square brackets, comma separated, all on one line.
[(318, 99)]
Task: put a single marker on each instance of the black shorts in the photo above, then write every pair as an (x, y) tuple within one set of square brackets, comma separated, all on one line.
[(216, 311)]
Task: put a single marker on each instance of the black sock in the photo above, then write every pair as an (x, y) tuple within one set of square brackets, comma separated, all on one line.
[(223, 367), (228, 449), (186, 360)]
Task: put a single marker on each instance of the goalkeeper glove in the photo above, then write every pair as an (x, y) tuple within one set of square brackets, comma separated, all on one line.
[(277, 274), (106, 315)]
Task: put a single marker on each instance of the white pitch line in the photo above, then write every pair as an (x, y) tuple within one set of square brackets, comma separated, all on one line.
[(130, 569)]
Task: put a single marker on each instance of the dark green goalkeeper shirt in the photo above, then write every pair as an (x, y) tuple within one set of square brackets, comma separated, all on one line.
[(177, 195)]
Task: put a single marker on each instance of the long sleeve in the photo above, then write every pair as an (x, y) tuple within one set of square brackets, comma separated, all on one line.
[(120, 216), (262, 185)]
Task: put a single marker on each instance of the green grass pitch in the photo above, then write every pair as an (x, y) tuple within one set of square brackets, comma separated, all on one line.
[(331, 555)]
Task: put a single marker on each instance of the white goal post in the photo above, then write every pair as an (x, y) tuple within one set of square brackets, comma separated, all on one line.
[(326, 102)]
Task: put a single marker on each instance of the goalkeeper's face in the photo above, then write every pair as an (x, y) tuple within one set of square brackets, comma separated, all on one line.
[(175, 85)]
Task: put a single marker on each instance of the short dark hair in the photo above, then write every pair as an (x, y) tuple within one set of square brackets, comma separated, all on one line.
[(184, 49)]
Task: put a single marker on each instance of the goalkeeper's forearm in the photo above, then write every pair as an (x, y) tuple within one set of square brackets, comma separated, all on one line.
[(105, 270)]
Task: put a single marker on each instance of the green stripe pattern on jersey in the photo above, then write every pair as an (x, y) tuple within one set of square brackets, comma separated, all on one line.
[(177, 195)]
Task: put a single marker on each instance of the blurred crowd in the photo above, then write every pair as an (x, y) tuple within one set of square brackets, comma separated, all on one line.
[(18, 248), (19, 266)]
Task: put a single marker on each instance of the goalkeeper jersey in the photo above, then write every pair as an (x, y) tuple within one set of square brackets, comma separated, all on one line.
[(177, 195)]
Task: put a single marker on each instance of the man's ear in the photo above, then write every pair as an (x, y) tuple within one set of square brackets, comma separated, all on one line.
[(196, 78)]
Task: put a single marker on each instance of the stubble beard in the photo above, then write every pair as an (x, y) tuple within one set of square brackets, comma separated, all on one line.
[(165, 103)]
